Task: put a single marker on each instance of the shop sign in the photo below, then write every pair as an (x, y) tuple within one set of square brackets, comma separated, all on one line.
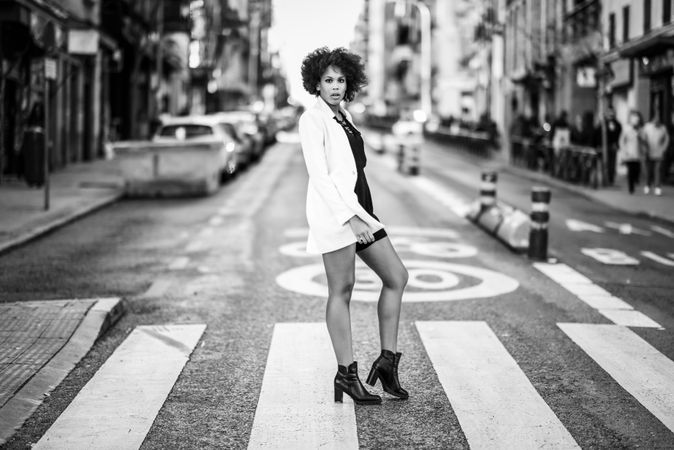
[(83, 42), (50, 68), (586, 76), (650, 65), (621, 72)]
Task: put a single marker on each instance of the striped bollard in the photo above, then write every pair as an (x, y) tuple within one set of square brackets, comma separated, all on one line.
[(540, 215), (488, 190)]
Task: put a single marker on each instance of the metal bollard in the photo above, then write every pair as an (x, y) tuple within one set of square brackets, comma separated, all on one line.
[(488, 190), (540, 215)]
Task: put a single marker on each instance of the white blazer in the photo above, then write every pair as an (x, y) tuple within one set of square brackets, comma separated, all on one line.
[(331, 200)]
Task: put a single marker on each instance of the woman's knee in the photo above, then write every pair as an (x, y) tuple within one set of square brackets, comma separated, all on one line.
[(397, 280), (341, 290)]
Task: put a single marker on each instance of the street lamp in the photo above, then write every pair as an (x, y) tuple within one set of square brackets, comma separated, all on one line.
[(426, 56)]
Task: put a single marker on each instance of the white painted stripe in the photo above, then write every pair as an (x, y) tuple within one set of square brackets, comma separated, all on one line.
[(629, 318), (157, 288), (657, 258), (296, 408), (661, 230), (496, 404), (586, 290), (638, 367), (562, 274), (540, 207), (444, 196), (116, 408), (606, 302), (610, 306), (179, 263)]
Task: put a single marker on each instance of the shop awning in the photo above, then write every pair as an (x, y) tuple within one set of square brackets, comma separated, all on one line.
[(649, 44)]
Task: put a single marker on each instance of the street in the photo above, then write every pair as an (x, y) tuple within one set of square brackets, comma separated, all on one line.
[(498, 352)]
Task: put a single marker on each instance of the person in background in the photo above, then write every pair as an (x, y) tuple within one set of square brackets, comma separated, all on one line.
[(657, 140), (613, 132), (632, 148), (561, 133), (582, 132)]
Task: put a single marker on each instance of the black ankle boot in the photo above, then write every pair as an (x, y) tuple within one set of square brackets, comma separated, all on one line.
[(347, 381), (385, 368)]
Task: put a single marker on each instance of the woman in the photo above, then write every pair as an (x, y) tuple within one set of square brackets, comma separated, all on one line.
[(657, 141), (342, 222), (632, 148)]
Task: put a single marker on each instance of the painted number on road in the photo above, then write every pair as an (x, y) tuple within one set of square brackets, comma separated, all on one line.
[(610, 256)]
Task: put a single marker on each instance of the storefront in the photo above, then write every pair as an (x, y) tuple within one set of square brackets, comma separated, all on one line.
[(654, 58), (619, 84), (29, 35)]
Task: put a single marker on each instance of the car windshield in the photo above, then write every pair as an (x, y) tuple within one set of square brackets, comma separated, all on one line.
[(186, 131)]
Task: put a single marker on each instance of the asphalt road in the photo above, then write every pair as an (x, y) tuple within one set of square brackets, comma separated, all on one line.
[(234, 262)]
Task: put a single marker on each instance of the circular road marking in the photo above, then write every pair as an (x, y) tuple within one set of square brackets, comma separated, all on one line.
[(430, 281)]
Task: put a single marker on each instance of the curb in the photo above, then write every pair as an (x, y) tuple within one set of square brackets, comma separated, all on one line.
[(545, 179), (58, 223), (99, 319)]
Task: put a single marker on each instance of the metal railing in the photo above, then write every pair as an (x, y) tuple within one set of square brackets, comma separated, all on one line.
[(573, 163)]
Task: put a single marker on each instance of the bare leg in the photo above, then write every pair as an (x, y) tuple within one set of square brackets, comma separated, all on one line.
[(384, 260), (340, 270)]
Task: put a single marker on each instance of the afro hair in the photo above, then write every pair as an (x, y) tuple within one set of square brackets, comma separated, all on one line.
[(317, 62)]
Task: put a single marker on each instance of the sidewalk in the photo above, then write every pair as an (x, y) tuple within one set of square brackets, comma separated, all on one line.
[(40, 343), (75, 191), (616, 196)]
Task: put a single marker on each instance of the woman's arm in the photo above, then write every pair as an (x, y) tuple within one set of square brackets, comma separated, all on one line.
[(313, 149)]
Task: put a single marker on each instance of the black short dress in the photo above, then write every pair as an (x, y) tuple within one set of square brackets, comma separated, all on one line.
[(361, 189)]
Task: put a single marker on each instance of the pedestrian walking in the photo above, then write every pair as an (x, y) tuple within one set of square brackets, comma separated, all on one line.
[(657, 140), (613, 132), (342, 223), (632, 148)]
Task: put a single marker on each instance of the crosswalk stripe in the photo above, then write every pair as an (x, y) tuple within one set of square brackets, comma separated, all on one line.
[(496, 404), (296, 407), (613, 308), (116, 408), (638, 367)]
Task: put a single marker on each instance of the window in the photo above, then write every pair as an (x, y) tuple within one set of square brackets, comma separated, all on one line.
[(666, 11), (626, 23), (647, 16), (611, 30)]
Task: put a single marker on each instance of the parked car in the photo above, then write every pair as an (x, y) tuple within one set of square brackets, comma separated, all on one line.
[(200, 128), (248, 127)]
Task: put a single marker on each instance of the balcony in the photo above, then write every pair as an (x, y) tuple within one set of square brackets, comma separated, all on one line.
[(581, 21)]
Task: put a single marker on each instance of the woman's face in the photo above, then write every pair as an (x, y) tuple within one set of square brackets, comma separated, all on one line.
[(634, 120), (332, 86)]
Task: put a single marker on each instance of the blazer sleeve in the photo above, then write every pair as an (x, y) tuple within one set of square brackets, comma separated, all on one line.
[(313, 149)]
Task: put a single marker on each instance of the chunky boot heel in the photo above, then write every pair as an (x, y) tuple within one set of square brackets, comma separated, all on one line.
[(372, 377), (347, 382), (385, 368), (339, 394)]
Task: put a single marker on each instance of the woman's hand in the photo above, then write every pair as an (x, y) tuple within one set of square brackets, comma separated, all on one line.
[(361, 230)]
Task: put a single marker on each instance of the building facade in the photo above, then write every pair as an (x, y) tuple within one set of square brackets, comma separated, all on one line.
[(639, 57)]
